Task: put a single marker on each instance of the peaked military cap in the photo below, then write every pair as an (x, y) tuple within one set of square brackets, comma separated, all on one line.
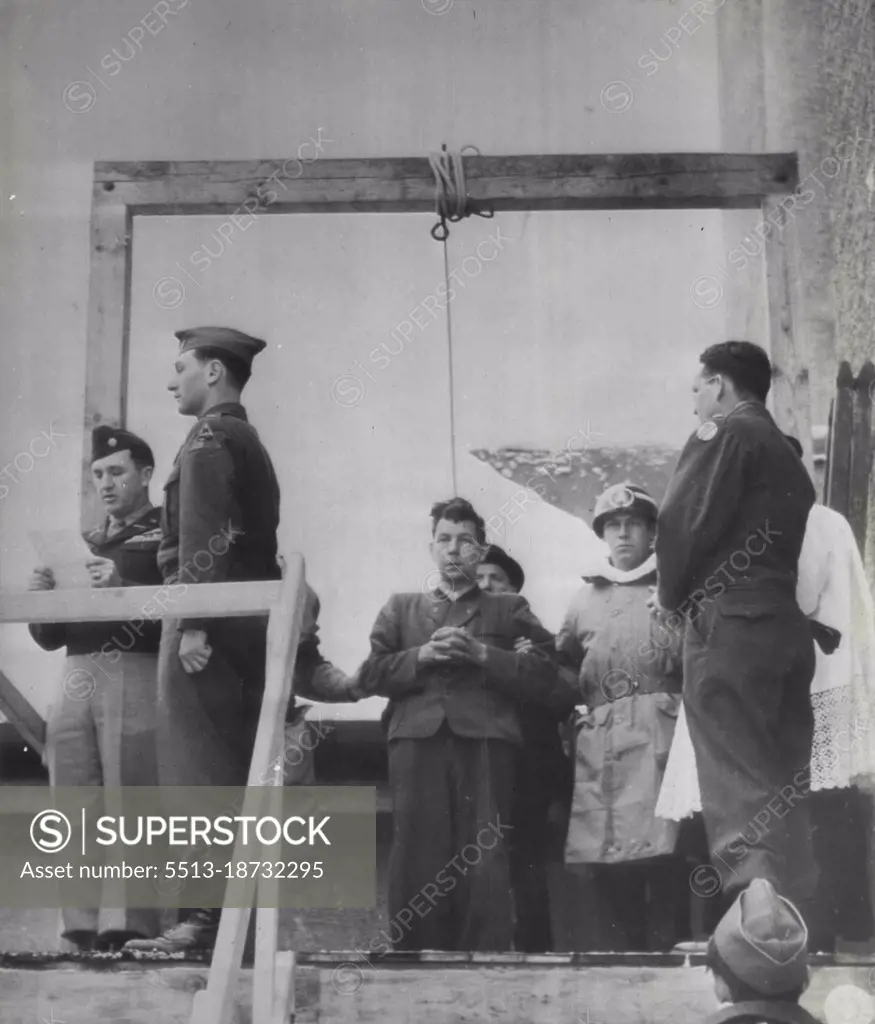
[(622, 498), (106, 440), (496, 555), (763, 941), (235, 343)]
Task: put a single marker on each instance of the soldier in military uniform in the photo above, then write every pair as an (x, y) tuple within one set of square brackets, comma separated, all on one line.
[(729, 535), (758, 959), (101, 728), (221, 512)]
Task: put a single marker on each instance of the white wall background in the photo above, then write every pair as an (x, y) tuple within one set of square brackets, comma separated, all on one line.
[(584, 315)]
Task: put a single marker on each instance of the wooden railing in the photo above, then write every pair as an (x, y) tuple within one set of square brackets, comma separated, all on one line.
[(273, 982)]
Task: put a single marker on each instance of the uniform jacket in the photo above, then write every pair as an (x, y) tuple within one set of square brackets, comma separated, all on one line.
[(762, 1012), (221, 506), (735, 511), (626, 670), (475, 701), (133, 549)]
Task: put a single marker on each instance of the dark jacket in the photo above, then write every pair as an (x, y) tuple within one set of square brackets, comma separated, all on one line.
[(735, 511), (221, 506), (476, 702), (762, 1012), (315, 678), (133, 550)]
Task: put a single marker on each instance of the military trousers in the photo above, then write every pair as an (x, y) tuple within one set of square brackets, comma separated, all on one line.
[(748, 665), (206, 721), (101, 732)]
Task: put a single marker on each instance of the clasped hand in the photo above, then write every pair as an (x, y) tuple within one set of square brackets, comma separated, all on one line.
[(453, 644), (194, 650)]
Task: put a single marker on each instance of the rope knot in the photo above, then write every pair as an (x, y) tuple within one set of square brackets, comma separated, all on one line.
[(451, 202)]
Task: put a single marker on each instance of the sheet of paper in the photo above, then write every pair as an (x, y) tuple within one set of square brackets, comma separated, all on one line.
[(65, 553)]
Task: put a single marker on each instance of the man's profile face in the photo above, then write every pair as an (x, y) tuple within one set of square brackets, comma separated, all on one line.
[(629, 537), (189, 383), (120, 484), (493, 579), (456, 550), (706, 394)]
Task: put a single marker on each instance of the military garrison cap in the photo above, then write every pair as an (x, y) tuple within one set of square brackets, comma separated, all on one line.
[(234, 342), (622, 498), (762, 940), (106, 440)]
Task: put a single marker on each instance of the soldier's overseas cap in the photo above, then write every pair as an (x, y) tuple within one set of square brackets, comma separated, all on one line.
[(235, 343), (763, 941), (107, 440), (622, 498), (496, 555)]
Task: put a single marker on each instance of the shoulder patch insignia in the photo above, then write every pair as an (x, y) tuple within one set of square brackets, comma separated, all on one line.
[(707, 431), (202, 438)]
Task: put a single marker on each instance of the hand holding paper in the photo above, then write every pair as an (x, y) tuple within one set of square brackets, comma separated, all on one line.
[(64, 554), (103, 572)]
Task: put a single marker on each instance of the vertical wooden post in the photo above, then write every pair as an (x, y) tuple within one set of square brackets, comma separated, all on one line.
[(109, 320)]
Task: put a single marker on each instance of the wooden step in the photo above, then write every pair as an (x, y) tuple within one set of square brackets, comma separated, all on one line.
[(340, 988)]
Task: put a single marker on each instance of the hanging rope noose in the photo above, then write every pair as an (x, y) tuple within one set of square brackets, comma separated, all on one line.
[(451, 373), (451, 204)]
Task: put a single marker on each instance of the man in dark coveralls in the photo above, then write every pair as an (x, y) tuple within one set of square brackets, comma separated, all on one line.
[(729, 535), (101, 728), (221, 511), (445, 656)]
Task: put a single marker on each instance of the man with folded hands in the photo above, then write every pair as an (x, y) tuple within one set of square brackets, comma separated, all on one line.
[(445, 655)]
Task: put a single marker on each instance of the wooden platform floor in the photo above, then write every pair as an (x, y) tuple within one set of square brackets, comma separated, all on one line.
[(338, 988)]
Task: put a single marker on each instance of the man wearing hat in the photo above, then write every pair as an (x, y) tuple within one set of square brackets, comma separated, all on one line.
[(221, 512), (730, 534), (624, 672), (758, 956), (101, 728), (542, 779)]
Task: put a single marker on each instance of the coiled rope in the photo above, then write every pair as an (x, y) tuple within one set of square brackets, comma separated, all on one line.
[(451, 202)]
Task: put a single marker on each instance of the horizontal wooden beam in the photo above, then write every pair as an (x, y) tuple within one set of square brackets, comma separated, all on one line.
[(82, 988), (120, 604), (406, 184)]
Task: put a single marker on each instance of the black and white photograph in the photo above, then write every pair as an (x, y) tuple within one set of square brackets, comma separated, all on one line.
[(437, 512)]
